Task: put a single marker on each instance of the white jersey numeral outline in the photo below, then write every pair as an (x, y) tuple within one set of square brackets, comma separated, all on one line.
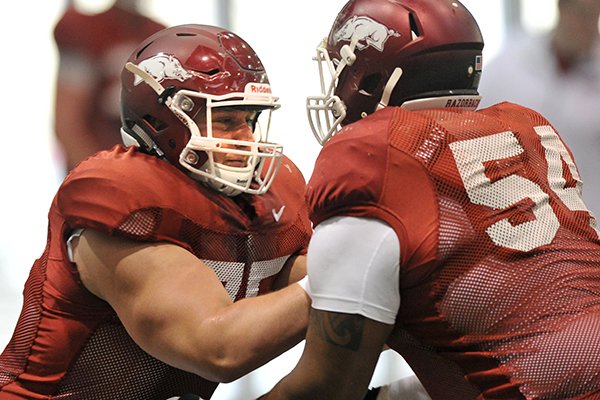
[(243, 280), (471, 156)]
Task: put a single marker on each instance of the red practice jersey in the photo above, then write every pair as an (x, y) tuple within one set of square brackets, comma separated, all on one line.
[(104, 41), (499, 258), (69, 344)]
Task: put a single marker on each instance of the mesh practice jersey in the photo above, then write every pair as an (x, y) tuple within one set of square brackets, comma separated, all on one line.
[(499, 259), (69, 344)]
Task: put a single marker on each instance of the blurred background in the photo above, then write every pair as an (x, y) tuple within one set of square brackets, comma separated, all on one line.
[(283, 33)]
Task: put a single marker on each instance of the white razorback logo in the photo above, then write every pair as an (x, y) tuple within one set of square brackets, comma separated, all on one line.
[(163, 66), (365, 31)]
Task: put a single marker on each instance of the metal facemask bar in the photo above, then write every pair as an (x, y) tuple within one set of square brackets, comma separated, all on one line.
[(327, 111)]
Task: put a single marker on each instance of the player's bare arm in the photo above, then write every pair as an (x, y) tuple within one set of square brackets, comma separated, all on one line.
[(334, 339), (202, 331)]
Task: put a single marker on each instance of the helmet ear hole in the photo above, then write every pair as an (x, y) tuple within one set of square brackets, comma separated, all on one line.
[(370, 84), (156, 124)]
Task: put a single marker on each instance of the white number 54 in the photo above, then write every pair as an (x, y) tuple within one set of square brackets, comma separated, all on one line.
[(470, 156)]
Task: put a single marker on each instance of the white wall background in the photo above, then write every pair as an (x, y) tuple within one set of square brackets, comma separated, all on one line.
[(284, 33)]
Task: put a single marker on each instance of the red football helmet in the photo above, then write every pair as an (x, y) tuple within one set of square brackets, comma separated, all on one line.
[(183, 71), (394, 52)]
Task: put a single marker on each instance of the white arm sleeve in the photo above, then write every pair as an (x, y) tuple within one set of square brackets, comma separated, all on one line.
[(354, 268)]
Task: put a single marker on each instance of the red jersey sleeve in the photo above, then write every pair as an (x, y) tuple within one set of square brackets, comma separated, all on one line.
[(359, 174), (128, 193)]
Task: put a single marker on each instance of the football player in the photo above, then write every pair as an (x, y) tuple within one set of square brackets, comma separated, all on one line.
[(454, 235), (154, 249), (92, 49)]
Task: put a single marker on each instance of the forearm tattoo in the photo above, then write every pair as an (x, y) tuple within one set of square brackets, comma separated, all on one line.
[(343, 330)]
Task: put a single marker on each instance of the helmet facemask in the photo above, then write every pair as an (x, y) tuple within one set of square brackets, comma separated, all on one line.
[(199, 156), (263, 158), (327, 111)]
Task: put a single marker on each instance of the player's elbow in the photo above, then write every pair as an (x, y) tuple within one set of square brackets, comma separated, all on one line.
[(223, 365), (203, 349), (227, 375), (224, 354)]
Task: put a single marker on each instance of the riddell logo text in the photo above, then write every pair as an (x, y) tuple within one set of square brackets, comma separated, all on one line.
[(260, 89)]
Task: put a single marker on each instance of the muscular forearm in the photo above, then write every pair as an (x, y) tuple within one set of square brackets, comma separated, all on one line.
[(251, 332)]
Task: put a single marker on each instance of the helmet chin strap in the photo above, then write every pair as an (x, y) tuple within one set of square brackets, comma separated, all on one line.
[(224, 173), (389, 88)]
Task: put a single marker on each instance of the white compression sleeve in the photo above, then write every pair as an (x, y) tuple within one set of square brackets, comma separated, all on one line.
[(354, 268)]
